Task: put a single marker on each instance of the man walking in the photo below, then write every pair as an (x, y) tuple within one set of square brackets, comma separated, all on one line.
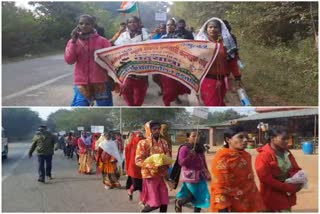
[(154, 190), (43, 143), (182, 32)]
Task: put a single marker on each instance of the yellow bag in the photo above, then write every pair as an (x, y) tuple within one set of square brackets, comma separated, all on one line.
[(159, 160)]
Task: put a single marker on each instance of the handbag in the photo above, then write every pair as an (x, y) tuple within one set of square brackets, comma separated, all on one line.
[(190, 175), (206, 174)]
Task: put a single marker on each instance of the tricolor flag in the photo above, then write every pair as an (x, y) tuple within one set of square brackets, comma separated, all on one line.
[(127, 7)]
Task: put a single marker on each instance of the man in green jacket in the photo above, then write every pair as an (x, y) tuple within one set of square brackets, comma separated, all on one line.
[(43, 143)]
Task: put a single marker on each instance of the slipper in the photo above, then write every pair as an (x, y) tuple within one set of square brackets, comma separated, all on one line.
[(177, 207), (130, 197)]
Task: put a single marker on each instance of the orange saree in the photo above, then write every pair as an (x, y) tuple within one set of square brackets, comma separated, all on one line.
[(232, 186)]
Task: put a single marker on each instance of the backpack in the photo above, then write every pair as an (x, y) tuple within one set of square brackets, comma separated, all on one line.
[(176, 170)]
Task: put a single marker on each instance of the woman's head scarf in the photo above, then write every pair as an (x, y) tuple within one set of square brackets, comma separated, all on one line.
[(228, 41)]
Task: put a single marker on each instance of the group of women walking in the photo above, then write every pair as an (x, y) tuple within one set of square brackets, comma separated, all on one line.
[(233, 187), (93, 84), (104, 151)]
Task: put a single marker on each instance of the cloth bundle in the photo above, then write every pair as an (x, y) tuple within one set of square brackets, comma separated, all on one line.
[(159, 160), (299, 178)]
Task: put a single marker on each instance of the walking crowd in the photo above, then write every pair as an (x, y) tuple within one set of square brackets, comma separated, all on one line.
[(93, 84), (146, 159)]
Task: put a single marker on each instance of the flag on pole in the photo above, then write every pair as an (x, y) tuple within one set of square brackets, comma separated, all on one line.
[(128, 7)]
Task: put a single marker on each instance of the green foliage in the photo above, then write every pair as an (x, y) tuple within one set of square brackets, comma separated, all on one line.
[(271, 23), (132, 118), (135, 118), (281, 75), (71, 119), (20, 30), (221, 116), (20, 123), (49, 25), (203, 11)]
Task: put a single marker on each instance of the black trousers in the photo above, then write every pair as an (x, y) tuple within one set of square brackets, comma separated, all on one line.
[(45, 166), (136, 182)]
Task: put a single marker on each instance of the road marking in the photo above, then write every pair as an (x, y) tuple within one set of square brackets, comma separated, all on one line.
[(14, 167), (24, 91)]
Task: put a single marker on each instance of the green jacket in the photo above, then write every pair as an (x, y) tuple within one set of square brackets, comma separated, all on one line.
[(43, 143)]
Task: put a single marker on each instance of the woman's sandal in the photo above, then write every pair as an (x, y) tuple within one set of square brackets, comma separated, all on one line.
[(130, 196), (177, 207)]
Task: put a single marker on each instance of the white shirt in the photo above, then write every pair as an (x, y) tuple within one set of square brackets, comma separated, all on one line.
[(125, 39)]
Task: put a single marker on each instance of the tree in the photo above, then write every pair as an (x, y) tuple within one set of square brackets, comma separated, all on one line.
[(135, 118), (218, 117), (71, 119), (20, 30), (272, 23), (20, 123), (203, 11)]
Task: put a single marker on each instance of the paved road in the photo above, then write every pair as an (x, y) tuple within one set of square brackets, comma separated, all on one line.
[(48, 81), (72, 192), (67, 192)]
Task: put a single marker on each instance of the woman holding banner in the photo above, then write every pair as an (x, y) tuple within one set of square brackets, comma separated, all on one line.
[(135, 87), (215, 85), (171, 88)]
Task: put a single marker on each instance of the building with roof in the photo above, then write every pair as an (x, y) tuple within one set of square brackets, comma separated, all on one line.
[(302, 125), (179, 132)]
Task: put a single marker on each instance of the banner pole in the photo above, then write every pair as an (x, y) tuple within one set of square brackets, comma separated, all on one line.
[(197, 134), (138, 10), (139, 16), (121, 120)]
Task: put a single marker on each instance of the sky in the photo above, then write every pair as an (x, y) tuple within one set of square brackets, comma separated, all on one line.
[(44, 112), (23, 4)]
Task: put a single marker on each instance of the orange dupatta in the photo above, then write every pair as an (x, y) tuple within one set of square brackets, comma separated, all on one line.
[(232, 184)]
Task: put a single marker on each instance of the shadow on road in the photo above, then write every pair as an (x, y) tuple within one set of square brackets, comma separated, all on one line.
[(305, 210), (73, 179)]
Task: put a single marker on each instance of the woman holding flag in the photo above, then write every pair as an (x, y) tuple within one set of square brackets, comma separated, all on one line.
[(194, 188)]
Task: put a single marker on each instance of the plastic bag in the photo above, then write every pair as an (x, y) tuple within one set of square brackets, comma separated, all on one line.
[(299, 178), (159, 160)]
